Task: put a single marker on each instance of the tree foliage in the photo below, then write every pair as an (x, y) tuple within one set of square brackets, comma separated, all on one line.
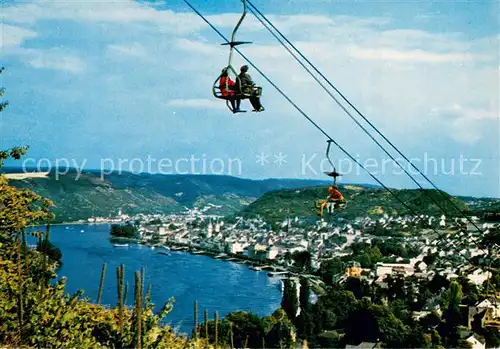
[(124, 231), (247, 330), (34, 312), (290, 301), (37, 313), (51, 250), (302, 260)]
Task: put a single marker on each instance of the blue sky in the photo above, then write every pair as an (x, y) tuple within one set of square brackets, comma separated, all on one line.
[(96, 82)]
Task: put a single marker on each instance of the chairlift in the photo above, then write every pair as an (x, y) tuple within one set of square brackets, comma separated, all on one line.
[(223, 91), (334, 174), (332, 207)]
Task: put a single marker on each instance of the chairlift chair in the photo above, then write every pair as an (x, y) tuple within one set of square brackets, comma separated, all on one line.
[(239, 93), (332, 207)]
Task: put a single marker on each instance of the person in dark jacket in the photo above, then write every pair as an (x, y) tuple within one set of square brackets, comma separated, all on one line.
[(248, 87)]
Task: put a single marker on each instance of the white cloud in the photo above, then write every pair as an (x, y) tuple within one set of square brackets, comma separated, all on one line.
[(466, 125), (457, 111), (13, 36), (466, 131), (113, 11), (414, 55), (56, 60), (404, 80), (133, 50), (196, 46), (199, 103)]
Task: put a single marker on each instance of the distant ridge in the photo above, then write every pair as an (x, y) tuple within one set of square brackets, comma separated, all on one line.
[(271, 180), (27, 175), (275, 206), (80, 196), (273, 198)]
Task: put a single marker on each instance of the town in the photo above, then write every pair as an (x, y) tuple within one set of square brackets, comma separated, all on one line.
[(371, 249)]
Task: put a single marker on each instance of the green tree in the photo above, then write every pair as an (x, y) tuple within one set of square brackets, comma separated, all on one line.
[(492, 336), (430, 258), (246, 330), (279, 331), (37, 313), (324, 319), (359, 287), (328, 269), (430, 321), (365, 260), (304, 322), (438, 283), (470, 291), (452, 316), (400, 310), (362, 315), (463, 344), (396, 288), (329, 339), (290, 301), (124, 231), (341, 303), (246, 327), (378, 323), (51, 250), (302, 260)]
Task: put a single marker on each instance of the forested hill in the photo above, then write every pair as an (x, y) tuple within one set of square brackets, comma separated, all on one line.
[(88, 195), (79, 197), (361, 201)]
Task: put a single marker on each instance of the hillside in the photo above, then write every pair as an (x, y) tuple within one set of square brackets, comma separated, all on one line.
[(89, 195), (361, 201), (273, 199)]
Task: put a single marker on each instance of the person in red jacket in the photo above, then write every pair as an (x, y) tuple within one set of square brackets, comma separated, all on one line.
[(334, 194), (334, 200), (227, 88)]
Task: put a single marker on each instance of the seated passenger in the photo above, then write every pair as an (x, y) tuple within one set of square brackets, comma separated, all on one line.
[(227, 88), (248, 87), (334, 200), (334, 194)]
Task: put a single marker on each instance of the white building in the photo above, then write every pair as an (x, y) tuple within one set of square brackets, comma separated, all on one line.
[(478, 276), (475, 342), (421, 265), (384, 269), (296, 248), (488, 304), (236, 247), (272, 252), (442, 222), (210, 230)]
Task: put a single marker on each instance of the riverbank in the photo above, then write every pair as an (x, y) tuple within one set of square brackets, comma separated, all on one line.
[(272, 268), (216, 286), (70, 223)]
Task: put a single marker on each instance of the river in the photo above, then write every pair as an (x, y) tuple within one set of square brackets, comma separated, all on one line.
[(216, 285)]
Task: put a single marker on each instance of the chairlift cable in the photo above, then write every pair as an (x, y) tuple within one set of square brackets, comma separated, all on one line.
[(254, 9), (233, 43), (328, 154), (356, 121), (309, 119), (333, 174)]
